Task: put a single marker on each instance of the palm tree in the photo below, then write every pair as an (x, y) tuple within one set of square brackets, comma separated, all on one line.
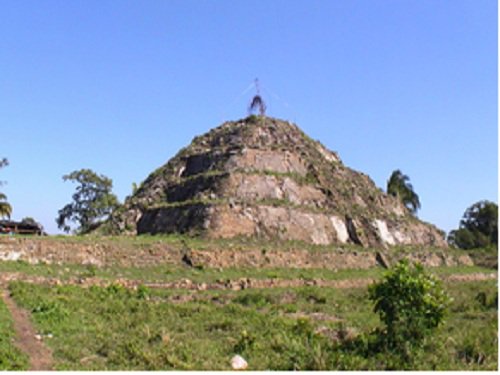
[(5, 208), (400, 187)]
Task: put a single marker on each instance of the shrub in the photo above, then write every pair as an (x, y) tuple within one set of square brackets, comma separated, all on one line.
[(410, 302), (478, 227)]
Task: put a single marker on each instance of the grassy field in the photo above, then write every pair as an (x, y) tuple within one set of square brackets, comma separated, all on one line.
[(10, 357), (279, 329)]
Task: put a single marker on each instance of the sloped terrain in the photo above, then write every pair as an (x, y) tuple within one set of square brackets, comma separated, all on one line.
[(263, 177)]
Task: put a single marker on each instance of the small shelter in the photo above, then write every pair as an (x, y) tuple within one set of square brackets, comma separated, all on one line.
[(21, 227)]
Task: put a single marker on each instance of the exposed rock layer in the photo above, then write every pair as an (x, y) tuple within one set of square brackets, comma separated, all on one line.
[(264, 177)]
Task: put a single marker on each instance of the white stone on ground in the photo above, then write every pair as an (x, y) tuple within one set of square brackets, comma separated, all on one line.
[(238, 363)]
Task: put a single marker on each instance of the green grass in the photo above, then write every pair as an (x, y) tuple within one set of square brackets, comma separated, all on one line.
[(11, 358), (117, 329)]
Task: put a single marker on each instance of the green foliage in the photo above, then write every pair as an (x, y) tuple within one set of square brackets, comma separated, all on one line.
[(410, 302), (50, 311), (252, 119), (400, 187), (143, 292), (92, 203), (5, 207), (245, 342), (478, 227)]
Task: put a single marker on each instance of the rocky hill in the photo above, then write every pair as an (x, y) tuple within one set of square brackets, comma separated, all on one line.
[(264, 177)]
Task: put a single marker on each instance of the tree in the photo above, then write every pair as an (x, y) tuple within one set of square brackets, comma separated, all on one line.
[(92, 203), (5, 207), (478, 227), (410, 302), (400, 187)]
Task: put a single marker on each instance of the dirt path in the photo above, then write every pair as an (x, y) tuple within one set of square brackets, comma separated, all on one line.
[(40, 356)]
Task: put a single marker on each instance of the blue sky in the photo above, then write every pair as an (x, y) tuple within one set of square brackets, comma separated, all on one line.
[(121, 86)]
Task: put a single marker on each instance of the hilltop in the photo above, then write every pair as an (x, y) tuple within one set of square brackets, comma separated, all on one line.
[(264, 177)]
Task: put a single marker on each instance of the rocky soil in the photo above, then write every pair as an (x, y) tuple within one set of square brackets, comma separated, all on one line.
[(107, 252)]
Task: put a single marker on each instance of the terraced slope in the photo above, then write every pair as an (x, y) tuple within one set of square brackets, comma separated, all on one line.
[(264, 177)]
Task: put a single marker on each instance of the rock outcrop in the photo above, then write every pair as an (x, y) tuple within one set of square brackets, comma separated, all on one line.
[(264, 177)]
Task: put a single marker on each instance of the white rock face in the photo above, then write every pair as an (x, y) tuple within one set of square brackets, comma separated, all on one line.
[(383, 232), (340, 228), (319, 237), (238, 363), (401, 237), (327, 154), (399, 210)]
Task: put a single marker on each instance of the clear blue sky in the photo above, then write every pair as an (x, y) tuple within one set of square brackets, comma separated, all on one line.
[(121, 86)]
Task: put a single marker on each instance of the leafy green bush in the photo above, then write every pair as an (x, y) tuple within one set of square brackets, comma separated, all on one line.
[(410, 302)]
